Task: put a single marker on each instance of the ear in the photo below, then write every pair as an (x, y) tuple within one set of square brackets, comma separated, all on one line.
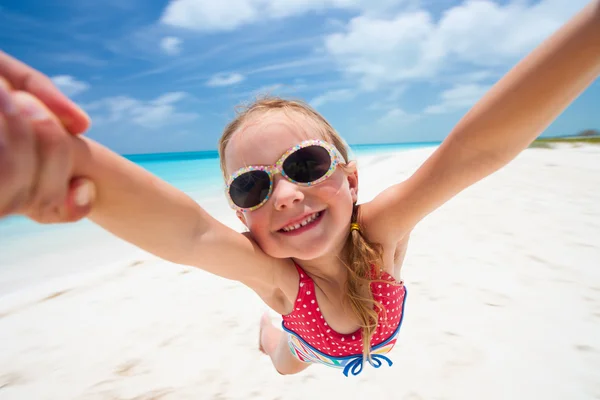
[(352, 175)]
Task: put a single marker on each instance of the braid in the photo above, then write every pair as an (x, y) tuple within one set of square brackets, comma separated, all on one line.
[(363, 261)]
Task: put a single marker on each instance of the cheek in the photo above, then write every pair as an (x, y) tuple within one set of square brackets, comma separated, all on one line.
[(257, 221), (336, 188)]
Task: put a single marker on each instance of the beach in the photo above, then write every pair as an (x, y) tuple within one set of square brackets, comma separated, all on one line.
[(503, 303)]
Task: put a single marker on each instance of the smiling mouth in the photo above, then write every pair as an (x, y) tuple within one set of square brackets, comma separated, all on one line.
[(303, 225)]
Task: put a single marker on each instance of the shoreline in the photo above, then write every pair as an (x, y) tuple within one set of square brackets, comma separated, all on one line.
[(86, 244), (94, 240)]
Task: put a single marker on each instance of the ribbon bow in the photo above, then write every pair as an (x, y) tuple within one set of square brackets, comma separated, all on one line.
[(356, 365)]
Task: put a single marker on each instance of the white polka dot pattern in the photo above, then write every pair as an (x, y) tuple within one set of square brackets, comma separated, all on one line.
[(309, 324)]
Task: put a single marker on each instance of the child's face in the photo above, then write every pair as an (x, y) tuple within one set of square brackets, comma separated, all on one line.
[(263, 141)]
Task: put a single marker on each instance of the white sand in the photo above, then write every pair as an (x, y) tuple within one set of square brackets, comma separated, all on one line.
[(504, 303)]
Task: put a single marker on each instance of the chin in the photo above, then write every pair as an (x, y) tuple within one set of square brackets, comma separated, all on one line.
[(312, 253), (304, 253), (311, 242), (317, 247)]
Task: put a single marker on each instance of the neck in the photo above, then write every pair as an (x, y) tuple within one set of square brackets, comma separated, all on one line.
[(328, 267)]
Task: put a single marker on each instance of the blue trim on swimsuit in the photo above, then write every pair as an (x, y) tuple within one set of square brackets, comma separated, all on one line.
[(352, 363)]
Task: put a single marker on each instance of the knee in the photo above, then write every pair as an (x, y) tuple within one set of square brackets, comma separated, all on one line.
[(280, 372), (291, 370), (287, 364)]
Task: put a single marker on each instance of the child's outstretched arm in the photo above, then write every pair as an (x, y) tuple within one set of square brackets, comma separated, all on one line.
[(504, 122), (142, 209)]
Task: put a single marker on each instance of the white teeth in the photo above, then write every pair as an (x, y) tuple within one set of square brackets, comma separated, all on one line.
[(308, 220)]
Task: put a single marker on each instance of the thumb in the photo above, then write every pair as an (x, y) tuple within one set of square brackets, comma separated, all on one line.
[(80, 199)]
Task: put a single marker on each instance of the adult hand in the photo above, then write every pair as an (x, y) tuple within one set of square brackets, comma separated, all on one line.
[(22, 77), (35, 148)]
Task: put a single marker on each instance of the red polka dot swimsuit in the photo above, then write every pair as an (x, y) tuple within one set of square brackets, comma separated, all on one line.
[(311, 339)]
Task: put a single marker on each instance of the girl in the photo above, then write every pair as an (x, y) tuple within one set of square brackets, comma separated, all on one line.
[(331, 268)]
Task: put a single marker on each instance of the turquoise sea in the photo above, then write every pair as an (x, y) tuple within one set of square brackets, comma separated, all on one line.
[(195, 173), (23, 242)]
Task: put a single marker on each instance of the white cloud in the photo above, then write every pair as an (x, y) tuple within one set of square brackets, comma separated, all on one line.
[(377, 50), (396, 117), (155, 113), (301, 63), (208, 15), (277, 89), (413, 46), (396, 93), (457, 98), (295, 68), (474, 76), (389, 101), (171, 45), (69, 85), (333, 96), (169, 98), (225, 79)]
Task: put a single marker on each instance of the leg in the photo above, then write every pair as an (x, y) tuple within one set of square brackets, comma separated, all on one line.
[(273, 342)]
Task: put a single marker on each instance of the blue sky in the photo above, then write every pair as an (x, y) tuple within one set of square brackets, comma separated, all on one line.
[(160, 76)]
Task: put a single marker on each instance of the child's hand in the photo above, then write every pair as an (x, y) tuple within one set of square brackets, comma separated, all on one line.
[(36, 163)]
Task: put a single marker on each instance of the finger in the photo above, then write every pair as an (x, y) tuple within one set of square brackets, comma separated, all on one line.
[(13, 191), (54, 155), (80, 199), (17, 156), (22, 77), (79, 203)]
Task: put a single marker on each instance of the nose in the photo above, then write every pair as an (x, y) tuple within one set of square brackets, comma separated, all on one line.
[(285, 193)]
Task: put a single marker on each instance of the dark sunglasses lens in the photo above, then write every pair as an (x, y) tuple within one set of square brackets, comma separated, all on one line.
[(250, 188), (307, 164)]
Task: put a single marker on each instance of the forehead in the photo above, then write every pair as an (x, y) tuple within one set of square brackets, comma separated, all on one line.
[(264, 139)]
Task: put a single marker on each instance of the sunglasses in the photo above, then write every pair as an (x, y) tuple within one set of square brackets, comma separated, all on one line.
[(305, 164)]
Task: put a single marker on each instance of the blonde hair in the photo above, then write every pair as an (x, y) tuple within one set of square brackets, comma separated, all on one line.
[(362, 258)]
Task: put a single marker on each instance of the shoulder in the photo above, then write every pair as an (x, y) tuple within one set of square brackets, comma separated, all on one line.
[(375, 228), (374, 218)]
